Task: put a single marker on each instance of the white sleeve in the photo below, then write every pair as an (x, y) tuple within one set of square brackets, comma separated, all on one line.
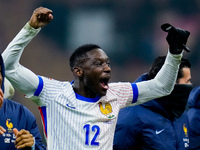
[(9, 90), (21, 78), (163, 83)]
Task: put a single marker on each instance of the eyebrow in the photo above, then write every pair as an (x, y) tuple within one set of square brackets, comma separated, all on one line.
[(96, 59)]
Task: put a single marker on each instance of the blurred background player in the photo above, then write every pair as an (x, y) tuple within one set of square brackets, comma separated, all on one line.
[(193, 116), (160, 124)]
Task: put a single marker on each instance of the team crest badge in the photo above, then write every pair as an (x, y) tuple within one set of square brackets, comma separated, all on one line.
[(9, 124), (106, 109), (185, 130)]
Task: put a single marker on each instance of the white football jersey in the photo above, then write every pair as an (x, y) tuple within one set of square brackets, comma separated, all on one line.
[(74, 122)]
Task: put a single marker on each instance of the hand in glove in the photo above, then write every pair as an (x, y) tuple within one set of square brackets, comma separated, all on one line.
[(176, 38)]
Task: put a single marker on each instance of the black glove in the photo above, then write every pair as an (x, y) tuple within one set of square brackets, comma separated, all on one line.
[(176, 38)]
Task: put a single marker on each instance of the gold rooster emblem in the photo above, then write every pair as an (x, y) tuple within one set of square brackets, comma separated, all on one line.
[(9, 124), (106, 110), (185, 130)]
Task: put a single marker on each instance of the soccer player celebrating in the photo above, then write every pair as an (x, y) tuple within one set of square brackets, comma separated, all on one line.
[(82, 114)]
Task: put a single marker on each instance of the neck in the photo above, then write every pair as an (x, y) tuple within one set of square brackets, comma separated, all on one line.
[(80, 89)]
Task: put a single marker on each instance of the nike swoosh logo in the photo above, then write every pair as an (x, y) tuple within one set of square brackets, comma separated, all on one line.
[(158, 132), (70, 106)]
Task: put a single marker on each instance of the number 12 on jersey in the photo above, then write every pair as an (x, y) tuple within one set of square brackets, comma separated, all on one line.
[(88, 128)]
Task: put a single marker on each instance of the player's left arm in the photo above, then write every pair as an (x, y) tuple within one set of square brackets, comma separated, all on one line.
[(163, 83)]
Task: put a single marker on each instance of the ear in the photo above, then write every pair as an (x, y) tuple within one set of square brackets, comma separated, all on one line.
[(78, 71)]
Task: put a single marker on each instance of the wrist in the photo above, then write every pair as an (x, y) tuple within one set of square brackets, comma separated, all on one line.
[(30, 28)]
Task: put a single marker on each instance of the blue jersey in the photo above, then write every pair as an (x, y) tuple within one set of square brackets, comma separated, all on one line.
[(147, 126), (193, 115), (15, 115)]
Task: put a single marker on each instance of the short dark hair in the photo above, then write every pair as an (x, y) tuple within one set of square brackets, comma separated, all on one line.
[(158, 63), (80, 53)]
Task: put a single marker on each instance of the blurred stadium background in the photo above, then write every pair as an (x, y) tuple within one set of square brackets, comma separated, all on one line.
[(129, 31)]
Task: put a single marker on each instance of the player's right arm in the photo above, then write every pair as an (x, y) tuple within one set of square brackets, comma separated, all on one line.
[(22, 78)]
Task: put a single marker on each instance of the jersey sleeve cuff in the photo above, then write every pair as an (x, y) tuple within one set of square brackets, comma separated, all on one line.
[(39, 88), (135, 92), (30, 29)]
